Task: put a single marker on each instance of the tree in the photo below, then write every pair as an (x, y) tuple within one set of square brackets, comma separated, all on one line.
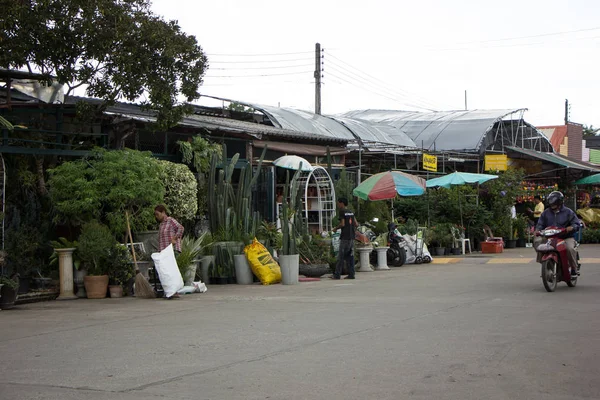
[(116, 49), (589, 131)]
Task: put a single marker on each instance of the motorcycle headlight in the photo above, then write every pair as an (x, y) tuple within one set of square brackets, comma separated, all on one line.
[(550, 232), (545, 247)]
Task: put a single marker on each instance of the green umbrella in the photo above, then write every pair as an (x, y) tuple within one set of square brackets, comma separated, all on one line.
[(589, 180)]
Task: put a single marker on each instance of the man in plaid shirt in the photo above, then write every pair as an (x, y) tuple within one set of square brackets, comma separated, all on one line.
[(170, 231)]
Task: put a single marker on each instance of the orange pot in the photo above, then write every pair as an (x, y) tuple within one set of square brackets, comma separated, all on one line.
[(96, 286), (115, 291)]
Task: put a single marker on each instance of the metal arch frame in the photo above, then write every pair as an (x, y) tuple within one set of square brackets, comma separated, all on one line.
[(324, 223), (528, 137)]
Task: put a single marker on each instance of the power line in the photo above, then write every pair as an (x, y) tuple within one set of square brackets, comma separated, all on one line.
[(427, 105), (533, 36), (258, 76), (381, 94), (260, 61), (275, 67), (259, 55), (408, 94)]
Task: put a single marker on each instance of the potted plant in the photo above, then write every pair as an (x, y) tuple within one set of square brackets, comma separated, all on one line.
[(120, 269), (292, 231), (314, 257), (520, 226), (511, 243), (95, 245), (188, 259), (223, 268), (436, 238), (8, 291), (269, 236)]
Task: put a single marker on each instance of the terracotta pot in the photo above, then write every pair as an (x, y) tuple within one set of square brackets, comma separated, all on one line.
[(116, 291), (96, 286)]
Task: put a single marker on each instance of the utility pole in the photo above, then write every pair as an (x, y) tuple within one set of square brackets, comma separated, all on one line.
[(318, 78), (466, 100), (566, 111)]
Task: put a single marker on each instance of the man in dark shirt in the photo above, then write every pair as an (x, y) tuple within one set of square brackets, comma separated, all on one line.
[(346, 253), (562, 217)]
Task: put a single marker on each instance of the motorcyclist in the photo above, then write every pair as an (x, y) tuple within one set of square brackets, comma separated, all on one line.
[(562, 217)]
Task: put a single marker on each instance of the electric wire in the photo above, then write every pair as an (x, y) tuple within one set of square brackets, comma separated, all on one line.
[(258, 55), (258, 76), (275, 67), (423, 104), (381, 94), (307, 59), (380, 82)]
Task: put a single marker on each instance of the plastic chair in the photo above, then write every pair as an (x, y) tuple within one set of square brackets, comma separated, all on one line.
[(460, 237)]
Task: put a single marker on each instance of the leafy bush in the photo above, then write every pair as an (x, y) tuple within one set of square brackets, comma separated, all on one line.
[(95, 245), (181, 190), (104, 186), (119, 264)]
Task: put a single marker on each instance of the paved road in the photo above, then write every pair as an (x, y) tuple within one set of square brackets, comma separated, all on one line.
[(479, 328)]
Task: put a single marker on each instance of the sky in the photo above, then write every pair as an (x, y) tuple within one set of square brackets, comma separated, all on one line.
[(402, 55)]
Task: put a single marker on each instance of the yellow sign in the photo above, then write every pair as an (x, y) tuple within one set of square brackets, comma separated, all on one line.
[(496, 162), (429, 162)]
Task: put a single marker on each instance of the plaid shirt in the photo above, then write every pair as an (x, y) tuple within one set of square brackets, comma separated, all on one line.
[(168, 230)]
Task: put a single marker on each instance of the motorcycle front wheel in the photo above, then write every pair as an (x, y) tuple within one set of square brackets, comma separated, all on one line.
[(549, 278)]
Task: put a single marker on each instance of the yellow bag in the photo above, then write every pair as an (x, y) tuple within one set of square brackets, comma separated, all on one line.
[(262, 263)]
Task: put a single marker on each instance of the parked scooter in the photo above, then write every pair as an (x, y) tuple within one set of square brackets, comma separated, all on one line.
[(555, 260), (396, 254)]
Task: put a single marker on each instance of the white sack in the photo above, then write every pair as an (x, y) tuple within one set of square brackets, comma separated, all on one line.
[(168, 272)]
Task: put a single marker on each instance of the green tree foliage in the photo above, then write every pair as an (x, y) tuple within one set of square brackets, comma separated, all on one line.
[(116, 49), (590, 131), (104, 186), (181, 190)]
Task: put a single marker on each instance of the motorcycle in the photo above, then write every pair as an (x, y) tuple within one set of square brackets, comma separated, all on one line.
[(555, 260), (396, 253)]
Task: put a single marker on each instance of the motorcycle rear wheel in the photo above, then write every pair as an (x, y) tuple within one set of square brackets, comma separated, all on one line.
[(549, 279)]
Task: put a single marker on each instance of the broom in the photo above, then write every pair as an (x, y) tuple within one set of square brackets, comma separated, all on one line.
[(143, 289)]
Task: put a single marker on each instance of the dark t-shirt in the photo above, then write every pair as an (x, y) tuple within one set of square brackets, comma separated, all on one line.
[(348, 228)]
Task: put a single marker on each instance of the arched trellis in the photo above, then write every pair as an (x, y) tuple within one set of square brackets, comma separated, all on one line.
[(319, 199)]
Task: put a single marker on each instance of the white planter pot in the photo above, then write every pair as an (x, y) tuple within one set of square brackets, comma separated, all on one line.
[(243, 273), (205, 264), (190, 274), (290, 267)]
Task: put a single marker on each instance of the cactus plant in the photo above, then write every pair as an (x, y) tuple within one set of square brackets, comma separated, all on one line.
[(230, 209), (292, 226)]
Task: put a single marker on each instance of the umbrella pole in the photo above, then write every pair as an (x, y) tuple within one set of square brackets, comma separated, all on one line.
[(460, 208)]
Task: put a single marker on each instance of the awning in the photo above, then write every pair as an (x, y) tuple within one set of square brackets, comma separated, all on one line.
[(300, 148), (556, 159)]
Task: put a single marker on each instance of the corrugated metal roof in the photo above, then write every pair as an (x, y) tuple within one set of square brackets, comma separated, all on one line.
[(350, 129), (225, 124), (556, 159), (440, 130)]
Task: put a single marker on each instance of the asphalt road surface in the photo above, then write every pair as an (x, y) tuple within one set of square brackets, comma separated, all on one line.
[(468, 328)]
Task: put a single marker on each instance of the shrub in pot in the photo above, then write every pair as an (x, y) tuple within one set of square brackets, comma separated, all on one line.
[(95, 247), (120, 269), (188, 259)]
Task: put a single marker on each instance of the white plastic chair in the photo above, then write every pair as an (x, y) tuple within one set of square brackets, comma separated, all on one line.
[(460, 237)]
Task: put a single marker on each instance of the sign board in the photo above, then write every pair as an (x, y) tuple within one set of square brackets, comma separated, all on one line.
[(429, 162), (496, 162)]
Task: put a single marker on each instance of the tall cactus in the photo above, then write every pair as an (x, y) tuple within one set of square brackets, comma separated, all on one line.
[(231, 209), (292, 222)]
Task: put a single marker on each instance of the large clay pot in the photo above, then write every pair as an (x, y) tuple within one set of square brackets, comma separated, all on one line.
[(96, 286), (290, 267)]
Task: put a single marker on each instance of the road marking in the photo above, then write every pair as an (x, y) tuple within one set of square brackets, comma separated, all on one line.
[(446, 260), (510, 260), (590, 260)]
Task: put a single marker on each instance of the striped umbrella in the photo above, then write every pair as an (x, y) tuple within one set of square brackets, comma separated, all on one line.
[(386, 185)]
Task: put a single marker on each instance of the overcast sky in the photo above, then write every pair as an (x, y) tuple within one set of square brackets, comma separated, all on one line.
[(402, 55)]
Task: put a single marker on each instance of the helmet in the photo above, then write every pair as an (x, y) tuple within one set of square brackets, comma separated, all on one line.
[(392, 226), (556, 198)]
